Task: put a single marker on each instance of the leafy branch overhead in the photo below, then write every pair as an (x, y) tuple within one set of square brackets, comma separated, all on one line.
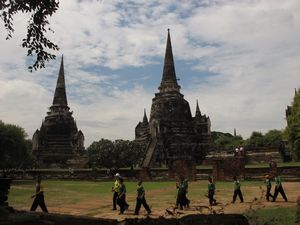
[(36, 41)]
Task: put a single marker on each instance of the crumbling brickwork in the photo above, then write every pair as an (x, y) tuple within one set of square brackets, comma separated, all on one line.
[(183, 168), (226, 168)]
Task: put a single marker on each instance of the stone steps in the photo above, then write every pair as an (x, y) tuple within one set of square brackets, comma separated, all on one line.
[(202, 176), (59, 139), (150, 152), (59, 148), (59, 143)]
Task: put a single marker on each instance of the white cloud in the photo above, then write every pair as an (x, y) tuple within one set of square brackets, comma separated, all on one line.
[(257, 62)]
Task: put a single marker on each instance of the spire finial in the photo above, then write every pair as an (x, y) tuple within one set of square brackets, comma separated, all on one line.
[(145, 119), (60, 97), (198, 113), (169, 80)]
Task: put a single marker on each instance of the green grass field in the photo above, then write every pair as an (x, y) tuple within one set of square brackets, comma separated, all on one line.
[(259, 165), (274, 216), (280, 164), (95, 198), (69, 192)]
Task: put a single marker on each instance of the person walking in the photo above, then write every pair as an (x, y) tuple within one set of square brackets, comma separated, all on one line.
[(186, 201), (140, 199), (115, 190), (39, 196), (237, 190), (278, 189), (211, 192), (182, 200), (121, 201), (268, 186)]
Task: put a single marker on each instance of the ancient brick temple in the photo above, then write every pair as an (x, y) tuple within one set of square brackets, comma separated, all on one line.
[(58, 141), (172, 133)]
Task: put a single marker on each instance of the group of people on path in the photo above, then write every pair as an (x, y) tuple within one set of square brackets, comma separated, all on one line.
[(119, 196), (278, 188), (238, 193), (119, 193)]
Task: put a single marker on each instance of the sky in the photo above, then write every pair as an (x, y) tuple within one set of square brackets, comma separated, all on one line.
[(239, 58)]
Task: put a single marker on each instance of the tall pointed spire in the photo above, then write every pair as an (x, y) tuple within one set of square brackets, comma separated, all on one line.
[(145, 119), (198, 113), (169, 80), (60, 97)]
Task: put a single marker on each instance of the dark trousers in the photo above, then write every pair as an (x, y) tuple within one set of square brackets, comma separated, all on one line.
[(281, 191), (39, 201), (139, 202), (182, 200), (268, 194), (115, 197), (121, 203), (237, 193), (211, 197)]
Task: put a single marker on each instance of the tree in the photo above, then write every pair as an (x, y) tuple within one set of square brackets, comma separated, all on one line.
[(15, 150), (101, 153), (133, 153), (115, 154), (225, 141), (36, 41), (293, 127), (273, 138), (256, 140)]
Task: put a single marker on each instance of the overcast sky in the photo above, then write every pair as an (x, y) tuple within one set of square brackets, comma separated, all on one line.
[(239, 58)]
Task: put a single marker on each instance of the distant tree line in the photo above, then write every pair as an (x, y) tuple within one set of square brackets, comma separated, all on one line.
[(227, 141), (115, 154)]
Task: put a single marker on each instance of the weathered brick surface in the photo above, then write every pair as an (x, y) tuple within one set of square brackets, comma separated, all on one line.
[(226, 168), (184, 168)]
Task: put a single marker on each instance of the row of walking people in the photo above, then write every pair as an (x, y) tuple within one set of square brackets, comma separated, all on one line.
[(182, 200), (119, 193), (119, 196), (238, 193)]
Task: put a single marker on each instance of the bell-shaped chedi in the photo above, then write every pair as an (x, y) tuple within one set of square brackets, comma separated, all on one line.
[(58, 140), (172, 133)]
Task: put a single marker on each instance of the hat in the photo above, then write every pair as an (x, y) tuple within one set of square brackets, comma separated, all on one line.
[(117, 175)]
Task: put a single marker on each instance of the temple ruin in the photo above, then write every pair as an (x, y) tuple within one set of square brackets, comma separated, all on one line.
[(58, 141), (172, 134)]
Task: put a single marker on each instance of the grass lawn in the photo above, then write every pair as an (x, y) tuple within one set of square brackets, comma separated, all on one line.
[(69, 192), (259, 165), (204, 167), (280, 164), (274, 216)]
